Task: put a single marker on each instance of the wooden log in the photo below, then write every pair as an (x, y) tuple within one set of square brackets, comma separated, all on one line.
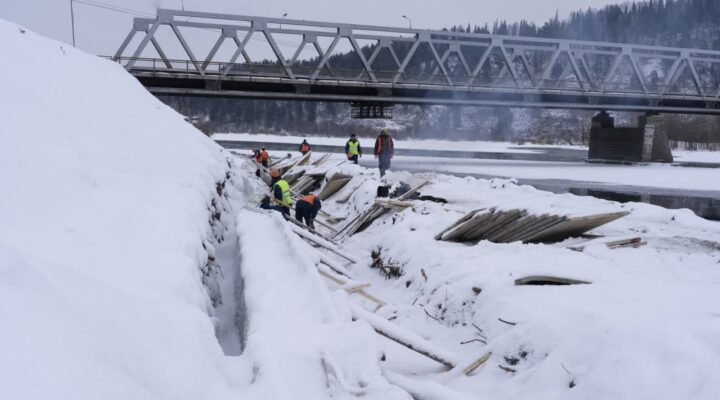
[(550, 280), (322, 242), (330, 274), (406, 338), (477, 363)]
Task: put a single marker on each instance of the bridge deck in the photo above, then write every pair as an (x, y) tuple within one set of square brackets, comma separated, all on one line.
[(420, 67)]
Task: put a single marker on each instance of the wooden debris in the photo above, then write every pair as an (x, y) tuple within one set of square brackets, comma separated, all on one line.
[(548, 280), (305, 234), (505, 226), (610, 243), (394, 204), (321, 160), (413, 190), (406, 338), (296, 163), (477, 363), (349, 285), (334, 184), (306, 183)]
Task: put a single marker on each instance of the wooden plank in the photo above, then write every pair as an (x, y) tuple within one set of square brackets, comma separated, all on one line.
[(329, 273), (477, 220), (477, 363), (412, 191), (394, 204), (321, 160), (296, 163), (537, 231), (322, 242), (401, 336), (508, 234), (557, 280), (502, 223), (456, 223), (334, 184), (574, 226)]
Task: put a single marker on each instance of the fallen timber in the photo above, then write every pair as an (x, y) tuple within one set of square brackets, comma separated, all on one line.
[(379, 207), (506, 226), (334, 184), (337, 274)]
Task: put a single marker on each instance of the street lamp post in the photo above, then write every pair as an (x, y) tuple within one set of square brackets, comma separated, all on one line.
[(283, 17), (409, 20), (72, 22)]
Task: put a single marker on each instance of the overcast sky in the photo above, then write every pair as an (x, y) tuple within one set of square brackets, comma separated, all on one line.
[(100, 31)]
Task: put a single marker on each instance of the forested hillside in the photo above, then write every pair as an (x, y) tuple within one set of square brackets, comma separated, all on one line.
[(681, 23)]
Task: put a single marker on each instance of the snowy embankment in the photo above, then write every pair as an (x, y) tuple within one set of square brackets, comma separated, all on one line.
[(104, 215), (119, 256), (645, 327)]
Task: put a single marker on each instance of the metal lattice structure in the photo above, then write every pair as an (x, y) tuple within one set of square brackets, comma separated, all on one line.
[(412, 66)]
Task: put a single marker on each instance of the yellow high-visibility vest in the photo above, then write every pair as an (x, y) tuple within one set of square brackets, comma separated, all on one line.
[(353, 148), (287, 199)]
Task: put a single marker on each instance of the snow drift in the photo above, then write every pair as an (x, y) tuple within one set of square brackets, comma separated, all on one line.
[(121, 258), (104, 212)]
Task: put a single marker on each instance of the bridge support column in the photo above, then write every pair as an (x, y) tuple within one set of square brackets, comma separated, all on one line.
[(645, 143)]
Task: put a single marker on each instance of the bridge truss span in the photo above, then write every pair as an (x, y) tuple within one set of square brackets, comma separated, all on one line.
[(206, 54)]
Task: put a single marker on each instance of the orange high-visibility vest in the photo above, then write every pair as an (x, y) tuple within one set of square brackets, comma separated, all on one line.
[(309, 198)]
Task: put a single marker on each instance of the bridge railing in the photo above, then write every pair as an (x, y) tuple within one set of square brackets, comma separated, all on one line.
[(216, 70), (442, 60)]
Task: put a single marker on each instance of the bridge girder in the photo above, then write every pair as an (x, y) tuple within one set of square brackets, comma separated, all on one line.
[(430, 67)]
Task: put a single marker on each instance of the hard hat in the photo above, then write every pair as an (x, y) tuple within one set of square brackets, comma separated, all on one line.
[(274, 173)]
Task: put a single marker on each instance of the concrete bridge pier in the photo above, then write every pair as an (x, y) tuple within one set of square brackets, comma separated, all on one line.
[(647, 142)]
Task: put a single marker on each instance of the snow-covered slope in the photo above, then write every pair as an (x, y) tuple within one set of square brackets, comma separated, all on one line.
[(125, 249), (102, 218)]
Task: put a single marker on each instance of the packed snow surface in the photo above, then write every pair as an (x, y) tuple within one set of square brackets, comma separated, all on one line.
[(135, 263), (107, 289)]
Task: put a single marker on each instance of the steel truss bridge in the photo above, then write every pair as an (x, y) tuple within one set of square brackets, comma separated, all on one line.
[(213, 55)]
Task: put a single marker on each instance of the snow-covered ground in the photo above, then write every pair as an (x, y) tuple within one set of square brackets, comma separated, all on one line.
[(645, 327), (134, 263), (123, 248)]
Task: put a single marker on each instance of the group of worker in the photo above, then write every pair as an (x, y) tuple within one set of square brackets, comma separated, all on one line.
[(308, 207), (384, 150)]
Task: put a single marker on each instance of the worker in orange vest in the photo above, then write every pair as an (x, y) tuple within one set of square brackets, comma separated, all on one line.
[(304, 147), (307, 208), (384, 150), (263, 158)]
